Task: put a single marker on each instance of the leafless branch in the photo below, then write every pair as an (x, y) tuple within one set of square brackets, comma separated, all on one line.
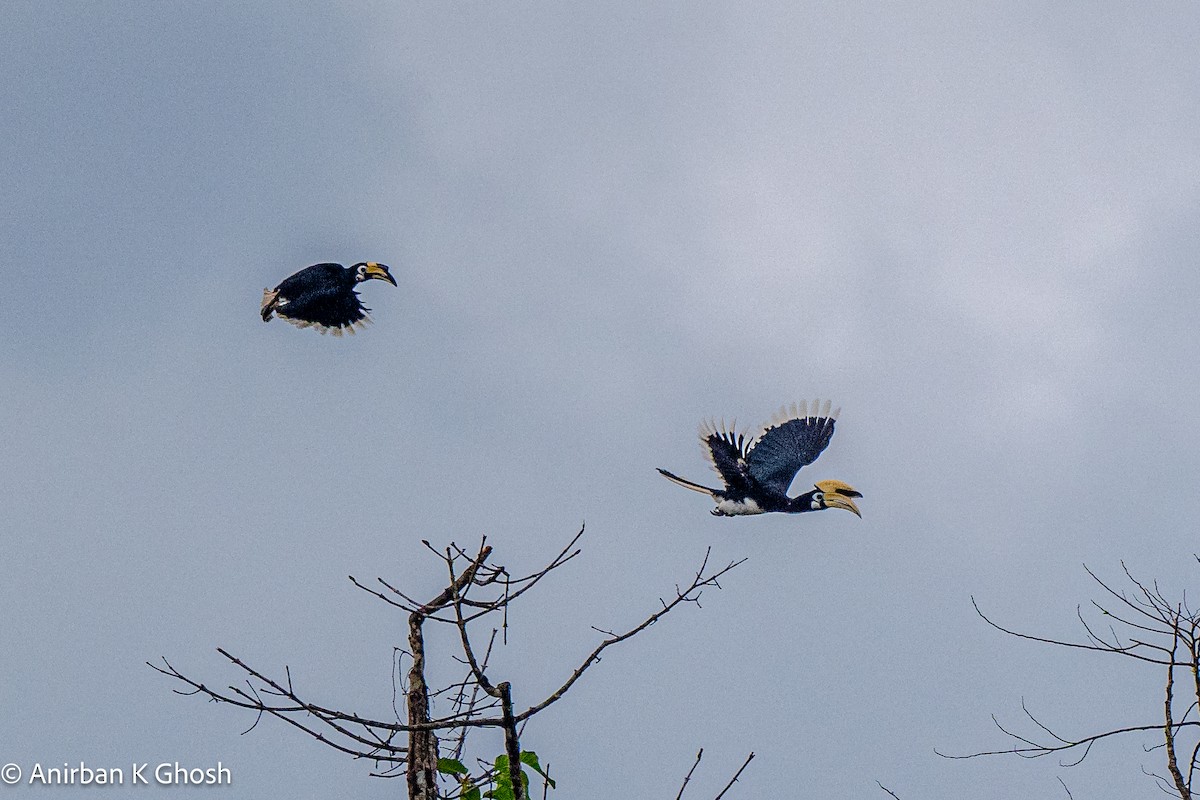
[(1152, 629), (690, 594), (1103, 647), (688, 777), (735, 777)]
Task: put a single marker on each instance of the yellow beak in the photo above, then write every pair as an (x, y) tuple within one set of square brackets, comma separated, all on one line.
[(839, 495), (379, 272), (837, 501)]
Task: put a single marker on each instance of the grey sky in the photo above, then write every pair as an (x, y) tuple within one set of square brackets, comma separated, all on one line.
[(972, 228)]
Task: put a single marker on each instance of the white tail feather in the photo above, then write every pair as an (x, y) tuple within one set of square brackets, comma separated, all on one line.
[(695, 487)]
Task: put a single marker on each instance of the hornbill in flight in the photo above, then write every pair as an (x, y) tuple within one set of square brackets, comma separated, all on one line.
[(757, 473), (323, 296)]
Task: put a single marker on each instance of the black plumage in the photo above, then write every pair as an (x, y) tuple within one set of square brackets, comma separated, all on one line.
[(757, 473), (324, 296)]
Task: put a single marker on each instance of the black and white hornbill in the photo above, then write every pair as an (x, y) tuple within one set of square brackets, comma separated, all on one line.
[(757, 473), (323, 296)]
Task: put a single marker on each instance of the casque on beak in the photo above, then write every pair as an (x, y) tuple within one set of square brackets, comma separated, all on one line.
[(380, 272)]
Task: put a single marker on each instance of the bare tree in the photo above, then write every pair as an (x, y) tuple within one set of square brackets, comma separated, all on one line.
[(1140, 623), (477, 595)]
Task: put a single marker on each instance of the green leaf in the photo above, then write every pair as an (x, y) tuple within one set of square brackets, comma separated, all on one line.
[(471, 794), (530, 758), (451, 766), (504, 787)]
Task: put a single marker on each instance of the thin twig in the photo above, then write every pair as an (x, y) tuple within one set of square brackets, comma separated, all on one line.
[(889, 791), (736, 775), (688, 777)]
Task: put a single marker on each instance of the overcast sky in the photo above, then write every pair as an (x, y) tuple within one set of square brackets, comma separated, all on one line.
[(972, 226)]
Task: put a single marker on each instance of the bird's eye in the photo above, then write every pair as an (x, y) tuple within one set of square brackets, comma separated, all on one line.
[(818, 501), (362, 272)]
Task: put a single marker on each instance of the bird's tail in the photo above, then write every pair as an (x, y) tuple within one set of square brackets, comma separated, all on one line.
[(268, 304), (695, 487)]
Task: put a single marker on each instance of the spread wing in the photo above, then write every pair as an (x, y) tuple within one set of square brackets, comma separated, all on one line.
[(793, 439), (727, 452)]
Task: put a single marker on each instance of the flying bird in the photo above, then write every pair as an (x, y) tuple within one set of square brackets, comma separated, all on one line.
[(323, 296), (758, 472)]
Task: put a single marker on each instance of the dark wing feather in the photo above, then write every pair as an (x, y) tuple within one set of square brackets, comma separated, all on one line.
[(726, 451), (793, 441), (313, 279), (333, 309)]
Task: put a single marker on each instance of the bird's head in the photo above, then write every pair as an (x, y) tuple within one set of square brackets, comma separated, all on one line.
[(835, 494), (367, 270)]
